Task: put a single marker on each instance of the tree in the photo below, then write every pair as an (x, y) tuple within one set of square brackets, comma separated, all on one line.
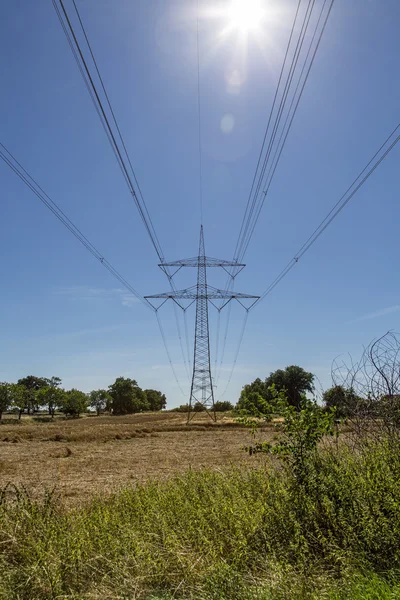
[(256, 386), (155, 399), (294, 381), (100, 399), (53, 382), (51, 397), (33, 384), (74, 402), (5, 399), (223, 406), (127, 397), (20, 398), (344, 401), (253, 403)]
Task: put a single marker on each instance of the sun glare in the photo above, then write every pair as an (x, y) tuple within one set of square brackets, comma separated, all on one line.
[(245, 15)]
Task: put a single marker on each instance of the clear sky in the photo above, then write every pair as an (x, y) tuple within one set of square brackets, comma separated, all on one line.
[(63, 314)]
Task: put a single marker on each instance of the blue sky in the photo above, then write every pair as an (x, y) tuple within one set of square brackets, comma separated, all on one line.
[(63, 314)]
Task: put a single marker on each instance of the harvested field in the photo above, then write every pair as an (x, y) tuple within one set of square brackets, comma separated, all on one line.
[(90, 455)]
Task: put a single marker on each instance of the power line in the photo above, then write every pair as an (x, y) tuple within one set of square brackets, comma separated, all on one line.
[(252, 212), (180, 339), (168, 353), (361, 178), (237, 353), (111, 135), (19, 170), (242, 228), (114, 137), (199, 119), (228, 316), (284, 134), (254, 207), (187, 339)]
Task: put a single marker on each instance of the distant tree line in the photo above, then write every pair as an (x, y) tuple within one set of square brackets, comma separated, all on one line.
[(32, 394)]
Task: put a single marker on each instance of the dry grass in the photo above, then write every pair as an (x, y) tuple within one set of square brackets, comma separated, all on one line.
[(100, 454)]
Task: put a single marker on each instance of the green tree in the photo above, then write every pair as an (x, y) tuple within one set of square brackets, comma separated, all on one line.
[(5, 399), (223, 406), (344, 401), (258, 385), (33, 384), (294, 381), (51, 397), (74, 402), (100, 400), (253, 403), (21, 398), (155, 399), (127, 397), (300, 432)]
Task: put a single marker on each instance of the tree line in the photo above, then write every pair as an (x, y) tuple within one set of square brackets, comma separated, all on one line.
[(32, 394), (367, 389)]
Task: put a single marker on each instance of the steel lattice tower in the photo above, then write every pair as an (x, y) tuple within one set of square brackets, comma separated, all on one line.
[(202, 386), (202, 391)]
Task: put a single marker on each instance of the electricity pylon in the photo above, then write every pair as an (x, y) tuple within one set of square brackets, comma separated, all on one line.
[(202, 390)]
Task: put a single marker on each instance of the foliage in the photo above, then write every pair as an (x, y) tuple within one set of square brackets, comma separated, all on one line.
[(252, 403), (223, 406), (5, 399), (258, 397), (100, 400), (257, 386), (155, 399), (127, 397), (182, 408), (51, 397), (343, 401), (74, 402), (33, 383), (294, 381), (21, 398)]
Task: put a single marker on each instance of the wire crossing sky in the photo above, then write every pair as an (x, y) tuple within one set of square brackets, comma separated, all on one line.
[(295, 98)]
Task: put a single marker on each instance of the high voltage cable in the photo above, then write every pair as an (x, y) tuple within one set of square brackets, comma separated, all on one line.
[(237, 353), (333, 213), (269, 123), (112, 136), (199, 118), (187, 339), (284, 134), (253, 210), (180, 339), (168, 353), (228, 316), (288, 83), (249, 221), (337, 208), (119, 153), (19, 170)]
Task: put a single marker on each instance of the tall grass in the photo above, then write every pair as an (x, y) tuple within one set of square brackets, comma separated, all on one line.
[(238, 535)]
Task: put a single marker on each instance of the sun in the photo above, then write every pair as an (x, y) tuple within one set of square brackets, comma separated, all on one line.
[(245, 15)]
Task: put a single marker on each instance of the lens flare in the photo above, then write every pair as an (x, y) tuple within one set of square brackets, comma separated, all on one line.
[(245, 15)]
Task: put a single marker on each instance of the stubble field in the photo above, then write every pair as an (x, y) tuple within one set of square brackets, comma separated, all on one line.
[(82, 457)]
